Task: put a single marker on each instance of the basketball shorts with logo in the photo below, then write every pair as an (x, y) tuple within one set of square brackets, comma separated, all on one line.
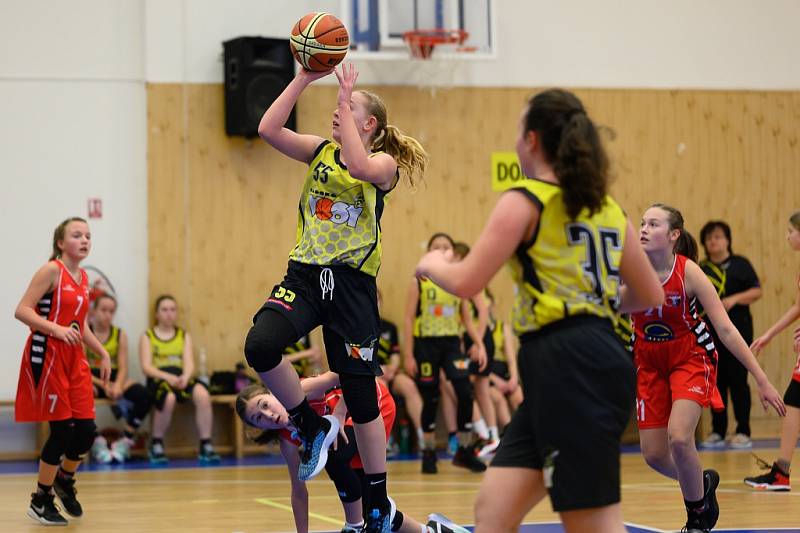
[(678, 369), (488, 343), (435, 353), (344, 301), (578, 383)]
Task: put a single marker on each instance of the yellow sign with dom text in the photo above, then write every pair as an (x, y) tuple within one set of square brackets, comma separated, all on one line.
[(506, 172)]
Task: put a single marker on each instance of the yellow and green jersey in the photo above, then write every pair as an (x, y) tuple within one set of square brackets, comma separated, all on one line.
[(339, 216), (438, 312), (112, 347), (569, 267), (167, 353)]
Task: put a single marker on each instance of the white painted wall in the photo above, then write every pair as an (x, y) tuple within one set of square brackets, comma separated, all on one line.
[(734, 44), (72, 102)]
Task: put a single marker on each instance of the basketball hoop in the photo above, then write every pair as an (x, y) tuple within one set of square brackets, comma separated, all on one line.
[(421, 43)]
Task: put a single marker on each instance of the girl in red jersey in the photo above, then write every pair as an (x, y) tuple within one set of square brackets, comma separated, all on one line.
[(55, 382), (676, 363), (778, 476), (258, 408)]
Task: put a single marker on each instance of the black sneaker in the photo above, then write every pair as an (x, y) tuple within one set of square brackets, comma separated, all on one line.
[(694, 524), (710, 483), (429, 462), (465, 458), (65, 490), (774, 480), (43, 509)]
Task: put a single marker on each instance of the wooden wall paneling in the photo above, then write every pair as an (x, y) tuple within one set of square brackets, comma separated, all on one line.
[(222, 211)]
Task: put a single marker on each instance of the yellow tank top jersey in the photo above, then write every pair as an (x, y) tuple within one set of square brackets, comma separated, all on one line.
[(499, 342), (570, 267), (339, 216), (438, 312), (167, 352), (112, 347)]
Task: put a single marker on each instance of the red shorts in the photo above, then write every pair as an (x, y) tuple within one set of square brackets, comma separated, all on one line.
[(59, 388), (388, 413), (674, 370)]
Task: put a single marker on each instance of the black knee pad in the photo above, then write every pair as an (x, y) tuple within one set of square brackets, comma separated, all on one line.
[(361, 397), (430, 394), (61, 433), (464, 396), (82, 439), (140, 401), (344, 478), (267, 339)]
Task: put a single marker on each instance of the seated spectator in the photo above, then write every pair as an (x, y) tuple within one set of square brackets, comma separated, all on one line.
[(165, 351), (132, 402)]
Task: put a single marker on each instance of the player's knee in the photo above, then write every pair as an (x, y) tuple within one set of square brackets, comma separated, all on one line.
[(361, 397), (681, 443), (61, 433), (267, 340), (140, 399), (82, 437), (169, 401)]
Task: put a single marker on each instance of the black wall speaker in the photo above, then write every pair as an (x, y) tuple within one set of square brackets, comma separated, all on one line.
[(257, 70)]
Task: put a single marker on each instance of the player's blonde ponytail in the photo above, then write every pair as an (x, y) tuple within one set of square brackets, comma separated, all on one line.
[(409, 154)]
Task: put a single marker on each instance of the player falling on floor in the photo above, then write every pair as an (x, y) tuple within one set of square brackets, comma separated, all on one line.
[(55, 382), (777, 479), (330, 280), (257, 407), (676, 364)]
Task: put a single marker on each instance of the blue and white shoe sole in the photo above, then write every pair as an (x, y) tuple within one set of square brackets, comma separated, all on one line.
[(322, 456)]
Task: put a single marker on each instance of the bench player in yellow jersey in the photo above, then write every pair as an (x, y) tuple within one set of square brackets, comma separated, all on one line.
[(568, 243), (330, 280)]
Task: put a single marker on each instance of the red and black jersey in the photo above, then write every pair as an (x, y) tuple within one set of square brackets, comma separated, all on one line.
[(676, 317), (55, 380)]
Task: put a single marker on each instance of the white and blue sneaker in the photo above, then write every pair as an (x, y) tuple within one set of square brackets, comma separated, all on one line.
[(438, 523), (315, 450)]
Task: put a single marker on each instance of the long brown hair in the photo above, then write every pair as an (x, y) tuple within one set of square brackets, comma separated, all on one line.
[(572, 146), (409, 154), (685, 245), (59, 234)]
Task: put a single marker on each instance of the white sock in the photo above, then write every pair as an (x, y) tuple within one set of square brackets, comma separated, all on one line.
[(481, 429), (494, 434), (357, 527)]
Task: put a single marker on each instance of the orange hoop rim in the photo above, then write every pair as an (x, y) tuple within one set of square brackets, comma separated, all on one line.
[(421, 43)]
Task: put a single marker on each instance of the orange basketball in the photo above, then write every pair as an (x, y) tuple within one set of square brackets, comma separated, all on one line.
[(323, 210), (319, 41)]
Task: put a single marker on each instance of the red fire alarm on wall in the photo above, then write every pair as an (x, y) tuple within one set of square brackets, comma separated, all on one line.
[(95, 208)]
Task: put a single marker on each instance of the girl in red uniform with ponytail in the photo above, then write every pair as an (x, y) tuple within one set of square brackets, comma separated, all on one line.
[(55, 381), (676, 363)]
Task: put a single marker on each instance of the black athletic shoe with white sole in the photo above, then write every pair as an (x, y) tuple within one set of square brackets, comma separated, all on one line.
[(43, 509), (65, 490)]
